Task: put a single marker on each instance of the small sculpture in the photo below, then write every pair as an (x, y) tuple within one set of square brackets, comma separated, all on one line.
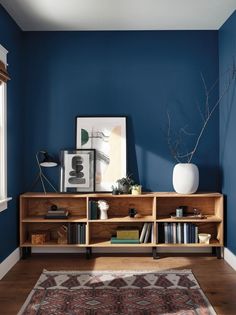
[(103, 207)]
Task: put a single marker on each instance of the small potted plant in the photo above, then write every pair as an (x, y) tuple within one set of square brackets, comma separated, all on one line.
[(124, 184)]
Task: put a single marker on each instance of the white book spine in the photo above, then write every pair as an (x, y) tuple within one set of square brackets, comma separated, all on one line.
[(196, 234), (152, 233), (143, 232), (185, 233), (148, 233), (166, 232), (174, 233), (179, 233)]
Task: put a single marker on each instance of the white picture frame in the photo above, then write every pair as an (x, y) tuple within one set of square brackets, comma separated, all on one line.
[(107, 135)]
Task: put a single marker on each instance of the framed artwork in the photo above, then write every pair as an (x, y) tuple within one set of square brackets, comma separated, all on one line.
[(78, 170), (107, 135)]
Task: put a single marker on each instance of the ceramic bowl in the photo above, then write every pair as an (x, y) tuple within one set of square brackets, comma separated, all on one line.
[(204, 238)]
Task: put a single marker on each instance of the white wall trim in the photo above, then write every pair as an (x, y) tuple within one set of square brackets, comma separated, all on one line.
[(9, 262), (230, 258)]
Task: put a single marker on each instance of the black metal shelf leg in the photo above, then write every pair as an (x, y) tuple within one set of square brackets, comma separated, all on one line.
[(26, 252), (88, 252), (218, 252), (154, 253)]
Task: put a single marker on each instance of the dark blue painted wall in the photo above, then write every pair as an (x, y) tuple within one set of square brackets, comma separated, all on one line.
[(227, 55), (11, 39), (57, 76), (138, 74)]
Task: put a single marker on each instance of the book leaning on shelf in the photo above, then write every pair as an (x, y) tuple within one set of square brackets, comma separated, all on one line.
[(146, 235)]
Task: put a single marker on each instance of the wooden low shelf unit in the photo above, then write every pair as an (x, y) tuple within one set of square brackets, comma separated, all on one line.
[(154, 208)]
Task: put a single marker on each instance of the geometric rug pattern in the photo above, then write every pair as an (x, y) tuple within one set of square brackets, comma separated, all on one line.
[(173, 292)]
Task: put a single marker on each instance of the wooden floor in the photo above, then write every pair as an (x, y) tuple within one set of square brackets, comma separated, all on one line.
[(216, 277)]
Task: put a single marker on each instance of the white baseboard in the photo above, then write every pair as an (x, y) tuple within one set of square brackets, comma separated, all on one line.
[(230, 258), (120, 250), (9, 262)]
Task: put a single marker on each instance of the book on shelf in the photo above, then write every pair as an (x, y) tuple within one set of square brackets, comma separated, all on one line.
[(124, 232), (143, 232), (93, 211), (58, 210), (56, 215), (152, 233), (76, 233), (148, 233), (174, 233), (115, 240), (177, 233)]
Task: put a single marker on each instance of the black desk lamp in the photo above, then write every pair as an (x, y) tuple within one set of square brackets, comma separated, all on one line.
[(45, 161)]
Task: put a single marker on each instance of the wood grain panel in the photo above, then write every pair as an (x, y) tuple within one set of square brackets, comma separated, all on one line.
[(39, 206), (166, 206), (120, 206), (105, 231)]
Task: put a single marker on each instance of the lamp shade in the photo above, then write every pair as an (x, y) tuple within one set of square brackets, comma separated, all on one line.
[(47, 161)]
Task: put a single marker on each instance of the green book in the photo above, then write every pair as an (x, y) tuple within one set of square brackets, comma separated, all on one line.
[(115, 240)]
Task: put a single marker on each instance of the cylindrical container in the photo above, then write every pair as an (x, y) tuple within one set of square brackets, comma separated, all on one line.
[(179, 212)]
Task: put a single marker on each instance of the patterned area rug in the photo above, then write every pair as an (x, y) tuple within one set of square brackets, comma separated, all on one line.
[(117, 292)]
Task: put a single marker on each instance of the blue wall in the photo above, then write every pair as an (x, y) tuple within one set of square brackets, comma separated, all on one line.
[(57, 76), (227, 55), (11, 39), (138, 74)]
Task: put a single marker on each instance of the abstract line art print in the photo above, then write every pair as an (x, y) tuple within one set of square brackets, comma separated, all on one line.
[(107, 135)]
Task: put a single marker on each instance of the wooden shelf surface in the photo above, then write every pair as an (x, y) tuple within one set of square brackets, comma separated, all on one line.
[(209, 218), (83, 195), (51, 244), (41, 219), (107, 243), (109, 195), (213, 243), (147, 218)]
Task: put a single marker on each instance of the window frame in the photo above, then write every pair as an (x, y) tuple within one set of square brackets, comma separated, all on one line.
[(3, 138)]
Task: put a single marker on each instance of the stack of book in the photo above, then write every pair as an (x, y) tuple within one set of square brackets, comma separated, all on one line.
[(178, 233), (59, 213), (76, 233), (93, 211), (126, 235), (147, 233)]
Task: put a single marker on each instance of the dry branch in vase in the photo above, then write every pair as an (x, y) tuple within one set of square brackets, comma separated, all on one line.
[(175, 140)]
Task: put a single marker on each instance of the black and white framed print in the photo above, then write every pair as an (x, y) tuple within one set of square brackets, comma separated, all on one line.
[(107, 135), (78, 170)]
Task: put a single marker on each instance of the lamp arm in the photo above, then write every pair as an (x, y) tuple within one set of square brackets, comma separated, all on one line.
[(37, 159), (40, 172)]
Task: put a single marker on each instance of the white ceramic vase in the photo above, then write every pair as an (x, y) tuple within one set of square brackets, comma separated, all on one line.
[(185, 178)]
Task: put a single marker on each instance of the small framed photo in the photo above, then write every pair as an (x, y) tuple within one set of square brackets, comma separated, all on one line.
[(78, 170), (107, 135)]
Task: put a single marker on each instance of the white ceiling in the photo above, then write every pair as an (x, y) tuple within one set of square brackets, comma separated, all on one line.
[(54, 15)]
